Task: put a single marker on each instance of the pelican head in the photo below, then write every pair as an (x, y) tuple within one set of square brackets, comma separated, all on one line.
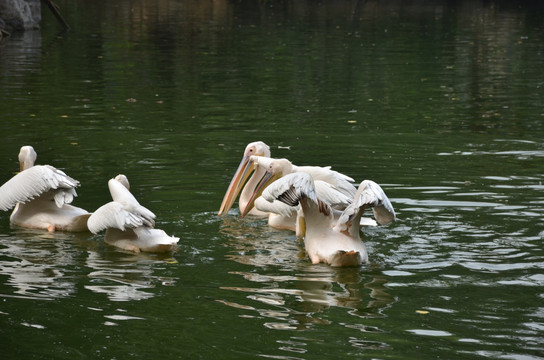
[(123, 180), (275, 169), (257, 149), (27, 157)]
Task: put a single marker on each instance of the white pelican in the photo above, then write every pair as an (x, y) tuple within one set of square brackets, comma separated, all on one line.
[(257, 148), (128, 224), (41, 195), (329, 239)]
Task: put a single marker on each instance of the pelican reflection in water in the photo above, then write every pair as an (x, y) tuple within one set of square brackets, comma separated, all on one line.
[(39, 265), (125, 276)]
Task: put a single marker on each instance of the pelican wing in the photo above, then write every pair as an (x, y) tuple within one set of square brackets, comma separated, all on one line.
[(291, 188), (343, 183), (368, 194), (122, 195), (329, 194), (35, 181), (382, 208), (114, 215)]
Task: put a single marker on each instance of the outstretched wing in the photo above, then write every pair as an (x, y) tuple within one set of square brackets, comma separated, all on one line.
[(369, 194), (35, 181), (114, 215), (381, 207), (329, 194), (322, 190)]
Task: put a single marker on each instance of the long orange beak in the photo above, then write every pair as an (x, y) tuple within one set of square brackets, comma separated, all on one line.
[(238, 180), (268, 178)]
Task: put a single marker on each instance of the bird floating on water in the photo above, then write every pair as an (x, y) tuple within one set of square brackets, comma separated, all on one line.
[(332, 238), (129, 225), (41, 196)]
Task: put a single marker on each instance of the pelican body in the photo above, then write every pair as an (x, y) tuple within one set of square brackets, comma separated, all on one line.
[(41, 196), (329, 238), (128, 224)]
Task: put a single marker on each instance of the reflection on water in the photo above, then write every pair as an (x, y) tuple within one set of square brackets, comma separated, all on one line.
[(289, 291), (45, 266), (39, 265), (124, 278), (19, 55), (255, 243), (456, 241)]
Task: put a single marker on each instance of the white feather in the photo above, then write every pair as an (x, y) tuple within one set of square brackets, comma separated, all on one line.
[(291, 188), (35, 181), (275, 207), (113, 215), (369, 194), (329, 194), (343, 183), (120, 194)]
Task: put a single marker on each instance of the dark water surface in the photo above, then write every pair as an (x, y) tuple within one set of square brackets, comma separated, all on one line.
[(442, 103)]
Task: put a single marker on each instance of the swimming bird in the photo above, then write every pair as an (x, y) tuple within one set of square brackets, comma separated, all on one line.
[(128, 224), (329, 238), (42, 195)]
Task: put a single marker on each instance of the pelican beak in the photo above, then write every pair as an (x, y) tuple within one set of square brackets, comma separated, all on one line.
[(267, 179), (21, 166), (238, 180)]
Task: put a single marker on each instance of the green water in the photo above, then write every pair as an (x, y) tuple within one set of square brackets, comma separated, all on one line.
[(441, 103)]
